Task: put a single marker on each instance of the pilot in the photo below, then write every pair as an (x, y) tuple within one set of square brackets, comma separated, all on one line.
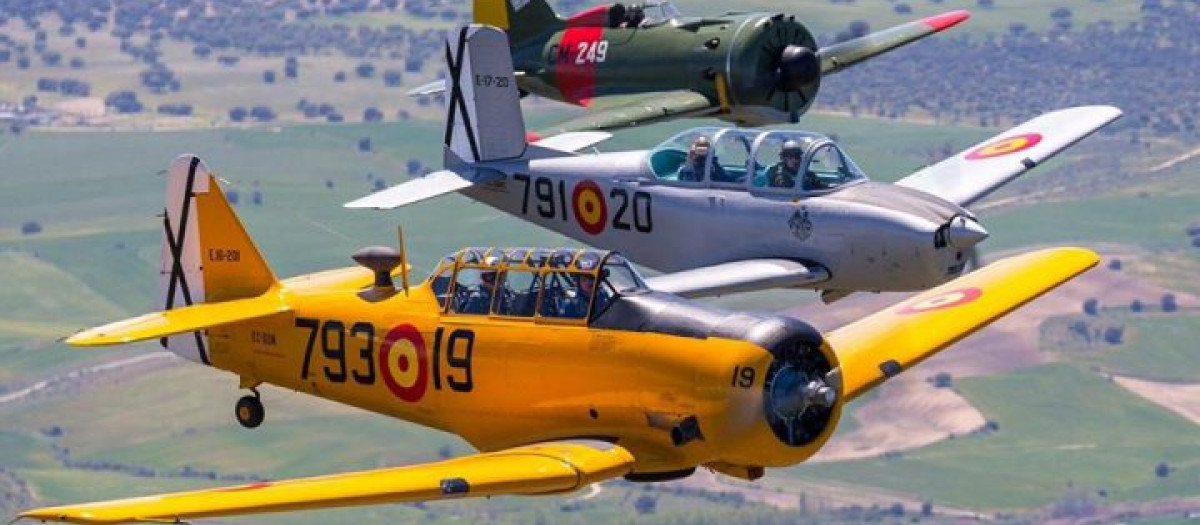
[(693, 169), (575, 304), (784, 173), (634, 16), (616, 15), (479, 298)]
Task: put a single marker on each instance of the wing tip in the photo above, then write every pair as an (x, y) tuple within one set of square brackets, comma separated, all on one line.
[(946, 20)]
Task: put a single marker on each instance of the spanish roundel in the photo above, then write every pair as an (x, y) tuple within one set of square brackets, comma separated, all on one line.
[(404, 364), (943, 301), (1005, 146), (590, 209)]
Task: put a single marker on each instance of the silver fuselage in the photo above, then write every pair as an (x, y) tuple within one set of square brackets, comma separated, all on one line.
[(869, 236)]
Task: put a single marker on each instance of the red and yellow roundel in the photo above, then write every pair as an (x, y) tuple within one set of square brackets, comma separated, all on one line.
[(1006, 146), (403, 363), (942, 301), (590, 209)]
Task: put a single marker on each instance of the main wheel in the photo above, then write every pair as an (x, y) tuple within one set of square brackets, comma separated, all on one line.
[(250, 412)]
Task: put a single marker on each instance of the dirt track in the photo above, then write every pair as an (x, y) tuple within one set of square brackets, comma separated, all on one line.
[(1182, 399)]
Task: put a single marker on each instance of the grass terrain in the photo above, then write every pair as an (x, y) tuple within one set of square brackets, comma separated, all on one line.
[(213, 89), (828, 18), (1155, 222), (1157, 347), (1058, 426)]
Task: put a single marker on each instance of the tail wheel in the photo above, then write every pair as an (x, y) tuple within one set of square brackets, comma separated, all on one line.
[(249, 411)]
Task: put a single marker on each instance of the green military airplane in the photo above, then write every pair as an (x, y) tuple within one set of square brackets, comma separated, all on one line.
[(640, 63)]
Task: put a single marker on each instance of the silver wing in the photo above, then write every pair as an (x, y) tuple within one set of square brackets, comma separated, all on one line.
[(971, 175), (739, 276)]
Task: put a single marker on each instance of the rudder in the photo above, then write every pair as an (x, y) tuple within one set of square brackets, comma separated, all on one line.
[(207, 256), (522, 19)]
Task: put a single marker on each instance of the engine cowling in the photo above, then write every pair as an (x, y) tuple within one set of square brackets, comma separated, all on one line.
[(799, 403), (774, 66)]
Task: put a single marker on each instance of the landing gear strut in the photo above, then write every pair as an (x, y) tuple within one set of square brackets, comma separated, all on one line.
[(249, 410)]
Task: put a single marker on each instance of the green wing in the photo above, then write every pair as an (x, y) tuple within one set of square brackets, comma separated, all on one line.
[(622, 111)]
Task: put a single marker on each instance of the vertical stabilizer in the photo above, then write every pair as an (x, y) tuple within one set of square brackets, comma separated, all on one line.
[(207, 256), (483, 108), (522, 19)]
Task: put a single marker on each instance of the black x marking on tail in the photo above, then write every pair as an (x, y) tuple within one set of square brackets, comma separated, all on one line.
[(175, 245), (457, 101)]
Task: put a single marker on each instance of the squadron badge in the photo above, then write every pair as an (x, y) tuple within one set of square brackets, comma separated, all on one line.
[(800, 224)]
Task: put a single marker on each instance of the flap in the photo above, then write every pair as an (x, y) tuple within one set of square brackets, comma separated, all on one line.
[(536, 469), (884, 344), (969, 176), (738, 276)]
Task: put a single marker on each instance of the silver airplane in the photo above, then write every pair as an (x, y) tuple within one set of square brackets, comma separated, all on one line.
[(749, 210)]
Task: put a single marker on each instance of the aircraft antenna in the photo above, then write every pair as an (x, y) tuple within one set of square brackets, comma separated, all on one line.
[(403, 259)]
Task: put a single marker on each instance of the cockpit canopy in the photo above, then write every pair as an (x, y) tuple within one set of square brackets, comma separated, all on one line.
[(774, 161), (560, 285), (643, 14)]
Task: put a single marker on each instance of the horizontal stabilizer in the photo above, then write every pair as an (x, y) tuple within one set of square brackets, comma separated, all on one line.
[(882, 345), (573, 141), (738, 276), (547, 468), (422, 188), (180, 320), (431, 88), (839, 56), (971, 175)]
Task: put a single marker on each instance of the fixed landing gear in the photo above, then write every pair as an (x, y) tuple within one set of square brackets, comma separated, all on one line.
[(249, 410)]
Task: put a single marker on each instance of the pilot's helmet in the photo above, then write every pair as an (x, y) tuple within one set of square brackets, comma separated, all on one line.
[(701, 146), (792, 148), (489, 274)]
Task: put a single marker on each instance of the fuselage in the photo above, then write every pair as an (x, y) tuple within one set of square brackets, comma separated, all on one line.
[(504, 381), (870, 236), (730, 59)]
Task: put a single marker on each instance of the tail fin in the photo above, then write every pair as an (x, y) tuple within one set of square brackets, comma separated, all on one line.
[(483, 109), (207, 256), (522, 19)]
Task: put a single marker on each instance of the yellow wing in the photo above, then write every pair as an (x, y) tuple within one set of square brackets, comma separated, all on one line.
[(180, 320), (535, 469), (882, 345)]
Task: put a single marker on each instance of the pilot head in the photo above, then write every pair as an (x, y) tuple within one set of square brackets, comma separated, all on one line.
[(699, 150), (791, 154), (587, 284), (488, 276)]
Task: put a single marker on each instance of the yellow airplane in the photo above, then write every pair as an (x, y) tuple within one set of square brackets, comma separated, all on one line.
[(560, 366)]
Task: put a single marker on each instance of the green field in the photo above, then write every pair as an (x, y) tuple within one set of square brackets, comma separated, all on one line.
[(828, 18), (1157, 347), (1058, 427)]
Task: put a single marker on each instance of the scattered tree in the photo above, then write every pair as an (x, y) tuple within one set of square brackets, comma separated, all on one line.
[(1168, 303), (1162, 470), (31, 228), (645, 504), (1114, 335)]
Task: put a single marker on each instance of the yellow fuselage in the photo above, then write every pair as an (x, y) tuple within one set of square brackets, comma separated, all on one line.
[(500, 382)]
